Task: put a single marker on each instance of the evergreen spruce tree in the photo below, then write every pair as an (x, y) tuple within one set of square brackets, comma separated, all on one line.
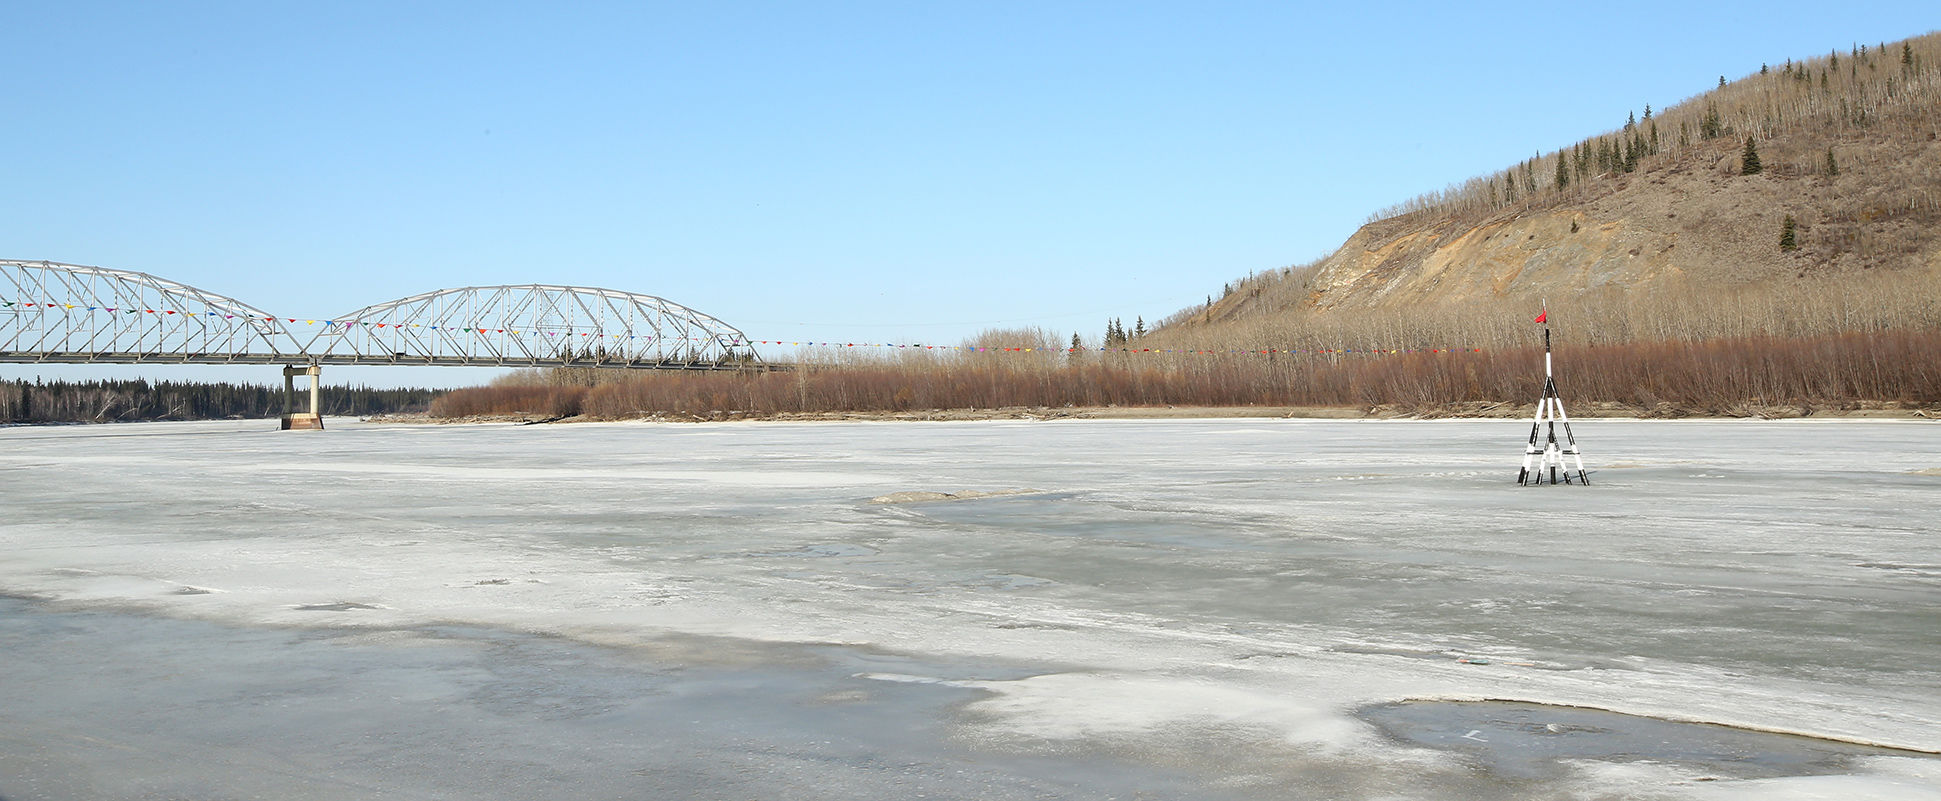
[(1139, 327), (1787, 242), (1076, 345), (1832, 167), (1563, 170), (1907, 57), (1721, 82), (1749, 160)]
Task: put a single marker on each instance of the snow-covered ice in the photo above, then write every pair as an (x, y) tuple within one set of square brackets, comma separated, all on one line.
[(1198, 608)]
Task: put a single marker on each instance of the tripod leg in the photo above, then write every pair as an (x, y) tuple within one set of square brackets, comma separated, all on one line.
[(1536, 425)]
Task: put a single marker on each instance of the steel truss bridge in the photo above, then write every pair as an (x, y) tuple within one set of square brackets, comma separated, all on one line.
[(70, 314)]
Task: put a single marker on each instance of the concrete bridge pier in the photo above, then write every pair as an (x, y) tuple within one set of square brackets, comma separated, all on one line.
[(301, 421)]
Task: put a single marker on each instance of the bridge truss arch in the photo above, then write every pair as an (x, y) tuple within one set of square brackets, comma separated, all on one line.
[(70, 313), (535, 325)]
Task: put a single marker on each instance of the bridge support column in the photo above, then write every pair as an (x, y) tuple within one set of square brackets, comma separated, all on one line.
[(313, 419)]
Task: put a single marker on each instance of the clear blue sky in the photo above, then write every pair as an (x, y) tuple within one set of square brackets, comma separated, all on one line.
[(912, 172)]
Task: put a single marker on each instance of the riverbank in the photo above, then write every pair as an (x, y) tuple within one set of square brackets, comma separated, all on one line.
[(1871, 410)]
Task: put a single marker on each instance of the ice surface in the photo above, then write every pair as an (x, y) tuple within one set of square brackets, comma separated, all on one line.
[(1198, 608), (1536, 740)]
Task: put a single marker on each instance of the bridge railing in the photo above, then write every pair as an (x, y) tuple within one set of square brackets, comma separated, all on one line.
[(71, 313), (52, 312), (536, 324)]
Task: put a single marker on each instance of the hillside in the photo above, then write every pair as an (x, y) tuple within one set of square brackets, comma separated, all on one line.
[(1659, 251), (1653, 231)]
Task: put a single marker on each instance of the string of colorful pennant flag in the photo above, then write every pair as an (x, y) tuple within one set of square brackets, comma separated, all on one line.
[(984, 349), (571, 331), (566, 330)]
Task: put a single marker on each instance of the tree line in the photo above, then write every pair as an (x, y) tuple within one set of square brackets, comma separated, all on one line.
[(134, 400)]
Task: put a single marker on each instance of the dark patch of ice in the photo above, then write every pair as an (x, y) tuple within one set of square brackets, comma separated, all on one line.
[(340, 606), (1532, 741)]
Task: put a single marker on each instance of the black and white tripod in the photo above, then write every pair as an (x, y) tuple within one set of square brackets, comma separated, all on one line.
[(1544, 455)]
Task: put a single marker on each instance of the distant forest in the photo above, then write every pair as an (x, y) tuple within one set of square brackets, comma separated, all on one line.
[(139, 400)]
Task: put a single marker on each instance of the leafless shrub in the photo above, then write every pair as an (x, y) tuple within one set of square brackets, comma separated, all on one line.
[(509, 399), (1715, 375)]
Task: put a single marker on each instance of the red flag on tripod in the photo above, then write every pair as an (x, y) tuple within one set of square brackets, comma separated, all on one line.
[(1543, 315)]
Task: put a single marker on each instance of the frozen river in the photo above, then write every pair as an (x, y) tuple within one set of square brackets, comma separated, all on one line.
[(1206, 609)]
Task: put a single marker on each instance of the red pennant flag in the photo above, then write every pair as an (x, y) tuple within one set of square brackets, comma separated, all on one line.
[(1543, 316)]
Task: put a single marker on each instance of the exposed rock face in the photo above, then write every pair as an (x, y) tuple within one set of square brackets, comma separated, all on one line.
[(1445, 262)]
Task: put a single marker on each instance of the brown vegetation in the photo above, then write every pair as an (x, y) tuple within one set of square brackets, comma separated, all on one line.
[(510, 398), (1811, 307), (1722, 376)]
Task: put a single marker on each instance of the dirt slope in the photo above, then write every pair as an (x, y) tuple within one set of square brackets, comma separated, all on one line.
[(1681, 235)]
